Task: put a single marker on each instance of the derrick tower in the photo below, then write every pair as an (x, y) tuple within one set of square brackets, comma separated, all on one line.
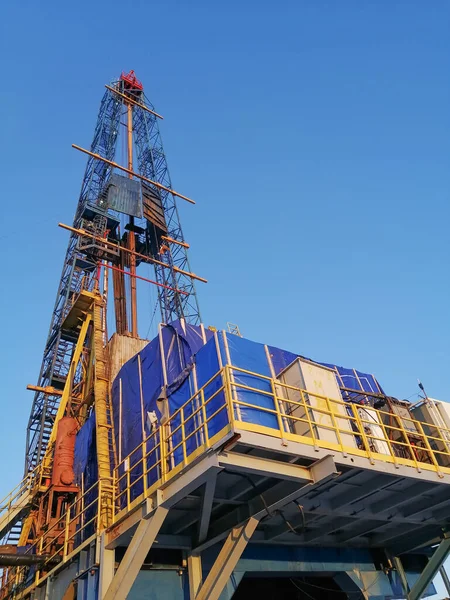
[(183, 464), (126, 215)]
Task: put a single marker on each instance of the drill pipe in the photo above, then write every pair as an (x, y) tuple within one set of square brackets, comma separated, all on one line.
[(26, 560)]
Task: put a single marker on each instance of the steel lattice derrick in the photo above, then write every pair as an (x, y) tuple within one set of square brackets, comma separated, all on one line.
[(176, 297), (57, 352), (152, 164)]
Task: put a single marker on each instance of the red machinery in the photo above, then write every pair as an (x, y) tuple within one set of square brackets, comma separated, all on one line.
[(131, 82)]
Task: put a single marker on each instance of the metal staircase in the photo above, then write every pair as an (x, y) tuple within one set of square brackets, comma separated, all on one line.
[(13, 508)]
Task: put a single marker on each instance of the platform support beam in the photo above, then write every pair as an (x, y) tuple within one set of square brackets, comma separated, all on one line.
[(207, 504), (227, 560), (134, 557), (106, 569), (396, 561), (195, 575), (445, 579), (433, 566)]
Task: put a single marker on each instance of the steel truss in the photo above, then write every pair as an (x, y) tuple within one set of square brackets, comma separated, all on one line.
[(152, 164), (78, 272), (57, 351)]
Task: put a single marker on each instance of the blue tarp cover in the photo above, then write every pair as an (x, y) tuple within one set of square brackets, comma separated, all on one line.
[(192, 356)]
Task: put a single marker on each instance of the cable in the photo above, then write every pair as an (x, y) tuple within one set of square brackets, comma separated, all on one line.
[(152, 319), (359, 592), (291, 528), (253, 484), (300, 589), (278, 511)]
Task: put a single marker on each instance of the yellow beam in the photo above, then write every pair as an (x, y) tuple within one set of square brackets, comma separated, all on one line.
[(131, 101), (101, 403), (130, 172), (137, 254), (46, 390), (67, 389), (172, 241)]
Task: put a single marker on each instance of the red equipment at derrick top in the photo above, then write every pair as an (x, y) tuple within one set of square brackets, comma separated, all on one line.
[(131, 81)]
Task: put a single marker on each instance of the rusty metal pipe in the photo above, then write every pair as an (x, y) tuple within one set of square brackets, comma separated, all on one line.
[(26, 560), (172, 241), (144, 258), (128, 99), (117, 166), (168, 287)]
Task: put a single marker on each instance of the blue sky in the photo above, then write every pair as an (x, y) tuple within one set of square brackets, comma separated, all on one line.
[(314, 136)]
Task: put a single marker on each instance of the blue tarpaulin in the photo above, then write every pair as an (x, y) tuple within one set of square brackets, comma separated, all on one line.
[(173, 366)]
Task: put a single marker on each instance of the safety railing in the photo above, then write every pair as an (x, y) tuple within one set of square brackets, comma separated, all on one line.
[(15, 499), (238, 399), (233, 400), (76, 528), (193, 428), (338, 425)]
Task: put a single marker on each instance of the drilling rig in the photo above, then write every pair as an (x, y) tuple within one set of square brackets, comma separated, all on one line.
[(201, 465), (126, 217)]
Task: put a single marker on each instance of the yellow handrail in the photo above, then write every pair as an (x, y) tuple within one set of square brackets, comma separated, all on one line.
[(187, 433)]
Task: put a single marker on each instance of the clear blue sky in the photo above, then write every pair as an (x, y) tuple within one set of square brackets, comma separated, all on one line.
[(314, 136)]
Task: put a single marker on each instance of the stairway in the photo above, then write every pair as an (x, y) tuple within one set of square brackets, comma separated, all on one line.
[(13, 508)]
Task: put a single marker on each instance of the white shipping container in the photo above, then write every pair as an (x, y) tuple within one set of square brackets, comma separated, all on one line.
[(373, 428), (318, 381)]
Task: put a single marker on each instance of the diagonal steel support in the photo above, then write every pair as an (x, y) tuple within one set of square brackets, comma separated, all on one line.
[(445, 579), (433, 566), (134, 557), (228, 557), (195, 575), (207, 504), (396, 561)]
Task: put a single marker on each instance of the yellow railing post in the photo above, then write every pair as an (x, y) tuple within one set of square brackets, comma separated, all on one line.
[(444, 441), (408, 443), (183, 436), (360, 425), (205, 420), (144, 465), (277, 408), (99, 504), (128, 481), (228, 393), (308, 418), (66, 532), (335, 424), (388, 441), (163, 451), (430, 450)]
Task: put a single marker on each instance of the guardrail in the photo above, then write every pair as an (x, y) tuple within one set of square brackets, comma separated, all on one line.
[(234, 399), (74, 530)]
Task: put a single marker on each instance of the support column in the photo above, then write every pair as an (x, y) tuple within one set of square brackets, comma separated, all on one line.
[(401, 572), (195, 575), (207, 504), (135, 555), (106, 560), (445, 579), (48, 589), (81, 581), (352, 584), (232, 585), (433, 566), (225, 563)]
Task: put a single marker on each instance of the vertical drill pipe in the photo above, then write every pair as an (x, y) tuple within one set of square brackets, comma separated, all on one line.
[(131, 238)]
